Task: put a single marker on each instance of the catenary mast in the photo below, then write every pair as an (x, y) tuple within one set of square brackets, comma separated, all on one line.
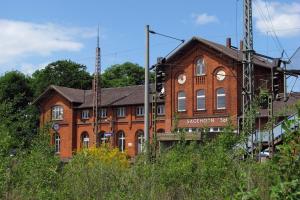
[(97, 89)]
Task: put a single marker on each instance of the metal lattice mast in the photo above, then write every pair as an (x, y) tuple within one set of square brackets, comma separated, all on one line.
[(248, 70), (97, 89), (248, 85)]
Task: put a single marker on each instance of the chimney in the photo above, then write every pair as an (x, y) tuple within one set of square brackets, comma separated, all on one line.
[(241, 45), (228, 42)]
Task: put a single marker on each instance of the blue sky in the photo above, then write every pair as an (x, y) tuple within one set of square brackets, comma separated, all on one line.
[(34, 33)]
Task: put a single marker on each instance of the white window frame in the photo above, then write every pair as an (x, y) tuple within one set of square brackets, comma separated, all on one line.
[(56, 143), (85, 140), (201, 96), (121, 112), (140, 141), (85, 114), (140, 111), (161, 109), (200, 67), (223, 95), (181, 99), (103, 113), (57, 112), (103, 138), (121, 141)]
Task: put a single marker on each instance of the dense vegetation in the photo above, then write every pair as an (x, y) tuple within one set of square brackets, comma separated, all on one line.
[(215, 169)]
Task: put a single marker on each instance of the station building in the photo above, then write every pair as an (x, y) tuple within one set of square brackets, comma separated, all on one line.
[(203, 90)]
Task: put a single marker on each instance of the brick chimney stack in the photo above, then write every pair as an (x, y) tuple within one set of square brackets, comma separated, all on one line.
[(241, 45), (228, 42)]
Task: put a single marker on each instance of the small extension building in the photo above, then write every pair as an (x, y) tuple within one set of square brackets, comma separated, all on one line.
[(202, 91)]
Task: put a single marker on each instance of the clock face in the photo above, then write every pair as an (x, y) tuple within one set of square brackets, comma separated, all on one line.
[(221, 75), (181, 79)]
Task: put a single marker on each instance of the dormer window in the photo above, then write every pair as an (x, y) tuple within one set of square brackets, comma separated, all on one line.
[(200, 67), (57, 112)]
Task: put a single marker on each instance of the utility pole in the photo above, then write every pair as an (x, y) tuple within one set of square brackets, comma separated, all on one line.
[(248, 71), (97, 89), (146, 100)]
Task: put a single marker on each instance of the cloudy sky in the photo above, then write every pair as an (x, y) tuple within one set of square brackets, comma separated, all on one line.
[(34, 33)]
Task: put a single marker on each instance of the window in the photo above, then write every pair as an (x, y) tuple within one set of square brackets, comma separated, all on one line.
[(57, 143), (221, 98), (201, 100), (103, 138), (140, 141), (121, 112), (103, 113), (140, 111), (57, 113), (181, 101), (121, 141), (160, 130), (85, 140), (161, 110), (85, 114), (200, 67)]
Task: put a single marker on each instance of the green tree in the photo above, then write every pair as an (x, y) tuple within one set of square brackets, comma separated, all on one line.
[(35, 175), (63, 73), (125, 74), (14, 87), (16, 114)]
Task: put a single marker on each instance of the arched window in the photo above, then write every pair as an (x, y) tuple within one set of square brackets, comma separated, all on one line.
[(57, 143), (221, 98), (102, 138), (181, 101), (200, 100), (85, 140), (121, 141), (200, 67), (140, 141)]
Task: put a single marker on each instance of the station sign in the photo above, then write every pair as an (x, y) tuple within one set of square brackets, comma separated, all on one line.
[(109, 134), (203, 122)]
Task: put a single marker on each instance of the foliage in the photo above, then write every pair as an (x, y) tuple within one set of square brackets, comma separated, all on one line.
[(63, 73), (36, 173), (14, 87), (94, 174), (210, 169), (16, 113), (125, 74)]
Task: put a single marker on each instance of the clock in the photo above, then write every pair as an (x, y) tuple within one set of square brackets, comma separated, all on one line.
[(181, 79), (221, 75), (55, 126)]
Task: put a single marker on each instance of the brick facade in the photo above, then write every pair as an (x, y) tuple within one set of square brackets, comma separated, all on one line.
[(183, 62)]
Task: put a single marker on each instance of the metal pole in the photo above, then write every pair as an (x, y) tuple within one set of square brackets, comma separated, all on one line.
[(146, 101), (284, 83)]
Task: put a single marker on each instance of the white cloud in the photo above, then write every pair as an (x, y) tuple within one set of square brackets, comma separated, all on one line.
[(29, 69), (283, 18), (204, 18), (19, 39)]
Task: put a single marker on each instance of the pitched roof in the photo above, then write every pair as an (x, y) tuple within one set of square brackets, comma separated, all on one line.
[(130, 95), (71, 94), (282, 108), (230, 52)]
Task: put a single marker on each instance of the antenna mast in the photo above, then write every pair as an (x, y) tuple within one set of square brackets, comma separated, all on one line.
[(97, 88), (248, 70)]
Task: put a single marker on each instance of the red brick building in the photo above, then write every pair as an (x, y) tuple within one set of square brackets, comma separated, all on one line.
[(203, 89)]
